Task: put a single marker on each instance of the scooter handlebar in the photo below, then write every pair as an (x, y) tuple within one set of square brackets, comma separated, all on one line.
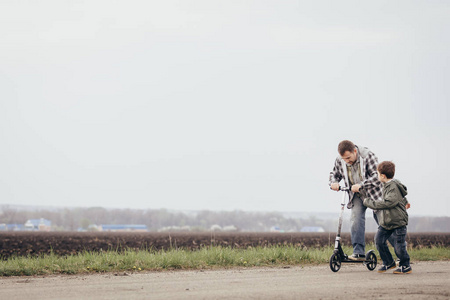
[(343, 188)]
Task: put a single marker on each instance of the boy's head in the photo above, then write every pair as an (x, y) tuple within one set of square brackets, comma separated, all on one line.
[(348, 152), (386, 171)]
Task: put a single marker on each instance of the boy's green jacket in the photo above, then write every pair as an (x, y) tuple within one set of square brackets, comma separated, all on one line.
[(391, 210)]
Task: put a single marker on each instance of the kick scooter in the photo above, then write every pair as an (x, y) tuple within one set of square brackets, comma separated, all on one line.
[(339, 256)]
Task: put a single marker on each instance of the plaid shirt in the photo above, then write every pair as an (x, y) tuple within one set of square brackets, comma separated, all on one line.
[(370, 183)]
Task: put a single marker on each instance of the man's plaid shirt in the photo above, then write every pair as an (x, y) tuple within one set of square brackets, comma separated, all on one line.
[(370, 183)]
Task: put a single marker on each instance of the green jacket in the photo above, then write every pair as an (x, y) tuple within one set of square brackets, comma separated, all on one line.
[(391, 210)]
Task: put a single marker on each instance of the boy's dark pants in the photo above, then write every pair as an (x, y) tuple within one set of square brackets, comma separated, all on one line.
[(392, 238), (400, 245)]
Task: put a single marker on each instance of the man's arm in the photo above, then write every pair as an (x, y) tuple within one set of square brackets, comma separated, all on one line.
[(335, 175), (371, 170)]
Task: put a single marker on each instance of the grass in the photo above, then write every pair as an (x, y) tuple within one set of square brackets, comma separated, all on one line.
[(205, 258)]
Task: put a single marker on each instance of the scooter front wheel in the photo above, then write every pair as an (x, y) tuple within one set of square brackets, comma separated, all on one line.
[(335, 262), (371, 260)]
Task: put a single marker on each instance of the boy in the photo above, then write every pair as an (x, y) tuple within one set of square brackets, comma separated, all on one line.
[(392, 218)]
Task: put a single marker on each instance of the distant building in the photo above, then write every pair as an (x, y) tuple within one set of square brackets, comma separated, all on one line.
[(230, 228), (312, 229), (175, 228), (38, 225), (93, 227), (12, 227), (276, 229), (131, 227), (216, 227), (15, 227)]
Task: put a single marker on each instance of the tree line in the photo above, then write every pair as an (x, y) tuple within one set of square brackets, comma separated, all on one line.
[(72, 219)]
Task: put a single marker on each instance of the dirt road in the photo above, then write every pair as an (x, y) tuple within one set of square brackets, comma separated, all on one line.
[(429, 280)]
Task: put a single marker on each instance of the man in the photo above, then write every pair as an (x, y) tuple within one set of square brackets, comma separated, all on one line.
[(358, 167)]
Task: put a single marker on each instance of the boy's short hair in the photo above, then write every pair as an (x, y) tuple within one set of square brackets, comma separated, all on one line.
[(387, 168), (345, 146)]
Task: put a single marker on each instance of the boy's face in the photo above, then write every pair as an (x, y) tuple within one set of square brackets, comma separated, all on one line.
[(382, 177), (350, 157)]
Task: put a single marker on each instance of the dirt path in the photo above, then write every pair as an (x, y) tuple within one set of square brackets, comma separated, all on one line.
[(429, 280)]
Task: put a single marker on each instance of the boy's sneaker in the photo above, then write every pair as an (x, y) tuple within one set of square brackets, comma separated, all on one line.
[(403, 270), (357, 257), (385, 268)]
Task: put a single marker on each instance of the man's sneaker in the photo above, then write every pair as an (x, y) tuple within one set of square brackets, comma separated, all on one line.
[(403, 270), (357, 257), (385, 268)]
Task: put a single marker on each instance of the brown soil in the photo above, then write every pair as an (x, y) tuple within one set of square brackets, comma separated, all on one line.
[(66, 243)]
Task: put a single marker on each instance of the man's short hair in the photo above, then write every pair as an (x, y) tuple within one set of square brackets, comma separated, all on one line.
[(387, 168), (345, 146)]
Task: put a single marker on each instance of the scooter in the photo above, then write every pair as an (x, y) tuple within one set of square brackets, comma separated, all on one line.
[(339, 256)]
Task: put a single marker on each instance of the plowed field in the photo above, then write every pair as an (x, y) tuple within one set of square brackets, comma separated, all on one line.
[(66, 243)]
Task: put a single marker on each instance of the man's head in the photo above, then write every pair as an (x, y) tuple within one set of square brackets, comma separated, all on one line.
[(348, 152), (386, 171)]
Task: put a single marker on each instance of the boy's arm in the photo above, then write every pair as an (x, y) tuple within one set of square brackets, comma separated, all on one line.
[(371, 170), (406, 203), (390, 199), (336, 174)]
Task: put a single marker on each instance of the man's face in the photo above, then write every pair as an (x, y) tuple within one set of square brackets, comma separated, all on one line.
[(350, 157)]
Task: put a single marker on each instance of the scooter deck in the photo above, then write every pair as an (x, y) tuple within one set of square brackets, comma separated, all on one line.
[(355, 261)]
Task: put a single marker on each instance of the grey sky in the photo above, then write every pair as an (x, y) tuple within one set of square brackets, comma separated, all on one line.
[(219, 105)]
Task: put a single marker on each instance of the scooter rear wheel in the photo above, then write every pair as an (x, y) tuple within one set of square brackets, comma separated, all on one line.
[(371, 260), (335, 262)]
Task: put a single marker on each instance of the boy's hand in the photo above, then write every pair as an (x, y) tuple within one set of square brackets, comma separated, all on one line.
[(356, 188), (335, 186), (407, 205)]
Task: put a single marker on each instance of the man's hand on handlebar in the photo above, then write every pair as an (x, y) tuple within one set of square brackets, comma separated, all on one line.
[(356, 188), (335, 186)]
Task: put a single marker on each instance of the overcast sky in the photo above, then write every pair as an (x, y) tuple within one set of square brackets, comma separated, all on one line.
[(219, 105)]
